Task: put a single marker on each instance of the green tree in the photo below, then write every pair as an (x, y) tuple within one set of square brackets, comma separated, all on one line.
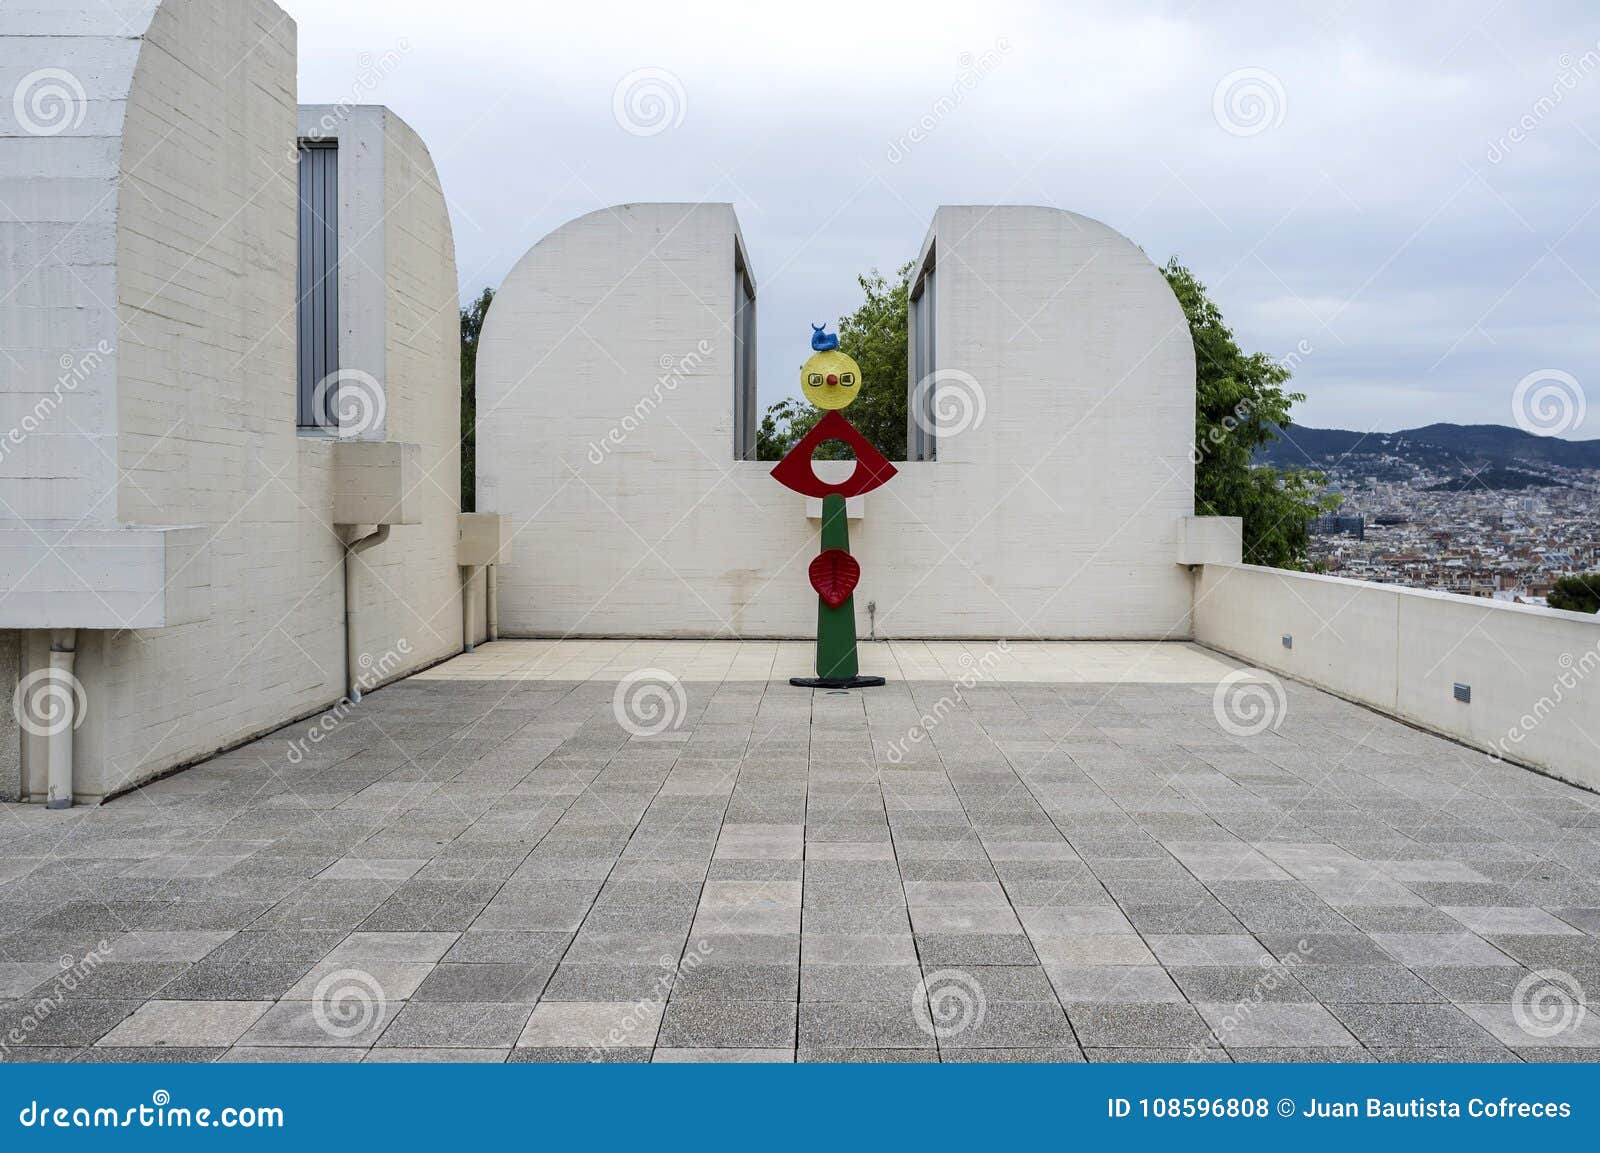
[(1577, 594), (472, 318), (875, 335), (1240, 405)]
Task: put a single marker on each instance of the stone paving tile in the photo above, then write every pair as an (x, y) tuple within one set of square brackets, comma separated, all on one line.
[(592, 1025), (449, 981), (1238, 1026), (315, 1024), (397, 1055), (154, 1054), (723, 1056), (1146, 1026), (862, 1025), (456, 1024), (699, 1022), (573, 1054), (284, 1054), (211, 980), (76, 1021), (837, 1054), (1411, 1026), (1113, 984), (760, 888), (194, 1023)]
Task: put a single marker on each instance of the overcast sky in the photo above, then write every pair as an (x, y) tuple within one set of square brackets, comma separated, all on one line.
[(1341, 175)]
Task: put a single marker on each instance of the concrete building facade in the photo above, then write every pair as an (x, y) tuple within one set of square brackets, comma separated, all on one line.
[(166, 527)]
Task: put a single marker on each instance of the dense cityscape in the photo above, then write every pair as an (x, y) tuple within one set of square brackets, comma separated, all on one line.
[(1502, 533)]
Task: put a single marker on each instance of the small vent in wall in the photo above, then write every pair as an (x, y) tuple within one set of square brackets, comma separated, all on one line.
[(1463, 693), (1288, 641)]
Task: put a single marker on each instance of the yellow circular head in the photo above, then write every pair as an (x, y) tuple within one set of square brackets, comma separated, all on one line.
[(830, 379)]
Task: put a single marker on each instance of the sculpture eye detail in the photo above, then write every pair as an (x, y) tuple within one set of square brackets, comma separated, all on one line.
[(847, 378), (816, 378)]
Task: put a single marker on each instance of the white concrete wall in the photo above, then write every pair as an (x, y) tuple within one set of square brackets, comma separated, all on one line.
[(183, 223), (400, 322), (1534, 673), (1057, 516)]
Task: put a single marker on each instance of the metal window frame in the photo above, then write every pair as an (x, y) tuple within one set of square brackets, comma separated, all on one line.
[(317, 283)]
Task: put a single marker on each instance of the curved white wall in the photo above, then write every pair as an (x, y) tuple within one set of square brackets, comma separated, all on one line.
[(605, 408)]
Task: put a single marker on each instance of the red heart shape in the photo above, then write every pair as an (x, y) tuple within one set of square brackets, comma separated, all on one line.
[(835, 574)]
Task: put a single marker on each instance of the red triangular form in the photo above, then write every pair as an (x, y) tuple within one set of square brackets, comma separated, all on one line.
[(795, 471)]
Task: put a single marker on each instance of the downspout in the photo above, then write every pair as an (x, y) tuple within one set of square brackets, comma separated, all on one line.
[(466, 611), (58, 760), (351, 550), (491, 584)]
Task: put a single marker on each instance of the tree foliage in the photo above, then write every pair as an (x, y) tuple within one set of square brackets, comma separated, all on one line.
[(875, 335), (1577, 594), (1240, 405), (472, 318)]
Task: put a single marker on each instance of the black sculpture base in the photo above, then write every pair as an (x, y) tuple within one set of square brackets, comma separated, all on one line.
[(836, 682)]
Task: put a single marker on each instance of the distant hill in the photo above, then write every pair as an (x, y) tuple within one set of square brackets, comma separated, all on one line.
[(1499, 479), (1436, 448)]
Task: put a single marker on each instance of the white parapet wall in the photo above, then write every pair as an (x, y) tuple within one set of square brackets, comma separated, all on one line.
[(605, 432), (1531, 675)]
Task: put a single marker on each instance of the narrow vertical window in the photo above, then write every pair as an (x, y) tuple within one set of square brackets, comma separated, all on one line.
[(744, 360), (921, 444), (317, 285)]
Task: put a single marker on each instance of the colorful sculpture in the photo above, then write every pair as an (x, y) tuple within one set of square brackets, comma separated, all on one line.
[(831, 380)]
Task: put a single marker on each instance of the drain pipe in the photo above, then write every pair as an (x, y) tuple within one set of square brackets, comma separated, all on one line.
[(351, 550), (63, 653), (467, 606), (491, 583)]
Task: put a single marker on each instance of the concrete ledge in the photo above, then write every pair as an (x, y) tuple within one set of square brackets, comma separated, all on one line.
[(376, 482), (482, 538), (1211, 540), (1531, 675), (97, 578)]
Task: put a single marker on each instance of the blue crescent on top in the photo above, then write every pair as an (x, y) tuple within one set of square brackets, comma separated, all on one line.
[(823, 341)]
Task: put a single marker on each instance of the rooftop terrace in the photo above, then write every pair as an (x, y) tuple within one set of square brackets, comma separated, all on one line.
[(1046, 851)]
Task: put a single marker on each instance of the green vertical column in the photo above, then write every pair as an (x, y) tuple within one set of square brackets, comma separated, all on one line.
[(836, 627)]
